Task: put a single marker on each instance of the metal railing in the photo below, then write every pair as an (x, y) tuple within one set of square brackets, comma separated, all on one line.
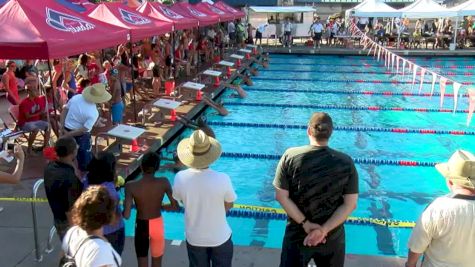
[(49, 246)]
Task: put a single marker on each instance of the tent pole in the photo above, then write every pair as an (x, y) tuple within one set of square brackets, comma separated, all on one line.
[(134, 102), (51, 84), (398, 34), (455, 33)]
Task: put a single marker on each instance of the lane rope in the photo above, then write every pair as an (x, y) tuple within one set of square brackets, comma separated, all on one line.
[(361, 72), (342, 107), (355, 92), (259, 212), (344, 128), (348, 81), (406, 163), (368, 65)]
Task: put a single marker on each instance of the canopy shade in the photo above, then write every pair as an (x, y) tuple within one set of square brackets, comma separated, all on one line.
[(190, 11), (139, 25), (465, 9), (45, 29), (237, 13), (426, 9), (162, 12), (212, 10), (374, 8), (281, 9)]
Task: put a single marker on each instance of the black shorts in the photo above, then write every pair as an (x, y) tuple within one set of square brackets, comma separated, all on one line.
[(317, 36), (258, 35), (168, 61), (295, 254)]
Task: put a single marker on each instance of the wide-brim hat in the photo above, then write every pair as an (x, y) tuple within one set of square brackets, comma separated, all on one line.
[(199, 151), (460, 169), (96, 93)]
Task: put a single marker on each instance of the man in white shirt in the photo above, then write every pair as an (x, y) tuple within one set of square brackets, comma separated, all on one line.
[(232, 32), (445, 232), (78, 118), (206, 196), (259, 31), (287, 33), (317, 30)]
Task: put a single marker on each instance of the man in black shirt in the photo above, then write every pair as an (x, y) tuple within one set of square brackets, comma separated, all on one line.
[(318, 188), (62, 185)]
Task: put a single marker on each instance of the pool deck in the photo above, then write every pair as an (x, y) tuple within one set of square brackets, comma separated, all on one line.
[(16, 232)]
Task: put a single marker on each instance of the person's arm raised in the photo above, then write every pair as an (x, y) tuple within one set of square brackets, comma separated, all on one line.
[(14, 178)]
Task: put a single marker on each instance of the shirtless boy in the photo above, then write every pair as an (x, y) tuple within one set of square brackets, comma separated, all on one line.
[(147, 194)]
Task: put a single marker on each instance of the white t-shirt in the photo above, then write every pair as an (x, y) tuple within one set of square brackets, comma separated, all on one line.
[(317, 27), (445, 233), (203, 193), (80, 113), (93, 252), (231, 27), (363, 20), (288, 27), (261, 28)]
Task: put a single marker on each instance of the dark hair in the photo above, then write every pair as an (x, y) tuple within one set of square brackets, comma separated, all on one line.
[(83, 59), (84, 82), (65, 146), (150, 162), (101, 169), (321, 126), (94, 208)]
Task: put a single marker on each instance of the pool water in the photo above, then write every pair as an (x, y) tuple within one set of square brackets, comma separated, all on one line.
[(389, 192)]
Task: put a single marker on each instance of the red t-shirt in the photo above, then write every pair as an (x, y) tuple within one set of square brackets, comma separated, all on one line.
[(79, 89), (93, 73), (30, 106)]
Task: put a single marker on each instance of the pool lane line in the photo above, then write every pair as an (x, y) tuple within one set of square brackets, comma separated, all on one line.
[(258, 212), (342, 107), (406, 163), (349, 81), (343, 128), (366, 65), (348, 92), (361, 72)]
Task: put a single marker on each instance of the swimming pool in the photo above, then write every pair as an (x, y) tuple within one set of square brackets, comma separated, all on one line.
[(295, 86)]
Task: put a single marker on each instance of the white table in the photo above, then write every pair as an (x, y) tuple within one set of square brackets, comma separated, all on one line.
[(213, 73), (193, 86), (226, 63), (235, 56), (166, 104), (126, 132), (251, 46), (245, 50)]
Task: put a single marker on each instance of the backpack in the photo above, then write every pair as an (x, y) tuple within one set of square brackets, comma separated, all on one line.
[(69, 260)]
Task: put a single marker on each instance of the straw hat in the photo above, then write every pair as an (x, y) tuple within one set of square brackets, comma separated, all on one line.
[(96, 93), (460, 169), (198, 151)]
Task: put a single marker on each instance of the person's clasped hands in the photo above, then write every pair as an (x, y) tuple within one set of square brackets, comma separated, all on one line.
[(316, 234)]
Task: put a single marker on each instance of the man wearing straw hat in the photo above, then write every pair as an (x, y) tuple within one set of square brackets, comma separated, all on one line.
[(445, 232), (318, 188), (78, 118), (206, 196)]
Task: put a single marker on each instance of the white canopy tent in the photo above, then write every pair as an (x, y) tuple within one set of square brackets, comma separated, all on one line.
[(465, 9), (374, 8), (426, 9)]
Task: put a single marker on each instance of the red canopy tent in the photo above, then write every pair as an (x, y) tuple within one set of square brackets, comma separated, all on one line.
[(212, 10), (190, 11), (139, 25), (237, 13), (162, 12), (45, 29)]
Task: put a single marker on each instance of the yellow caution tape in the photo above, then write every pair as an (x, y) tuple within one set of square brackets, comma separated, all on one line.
[(23, 199), (353, 220)]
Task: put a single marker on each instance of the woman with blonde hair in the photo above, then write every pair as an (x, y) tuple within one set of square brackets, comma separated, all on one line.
[(85, 242)]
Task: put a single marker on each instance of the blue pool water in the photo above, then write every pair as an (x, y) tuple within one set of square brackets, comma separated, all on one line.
[(390, 192)]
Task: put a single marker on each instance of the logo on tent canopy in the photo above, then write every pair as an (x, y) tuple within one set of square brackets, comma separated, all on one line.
[(196, 12), (216, 10), (133, 18), (170, 13), (67, 23)]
